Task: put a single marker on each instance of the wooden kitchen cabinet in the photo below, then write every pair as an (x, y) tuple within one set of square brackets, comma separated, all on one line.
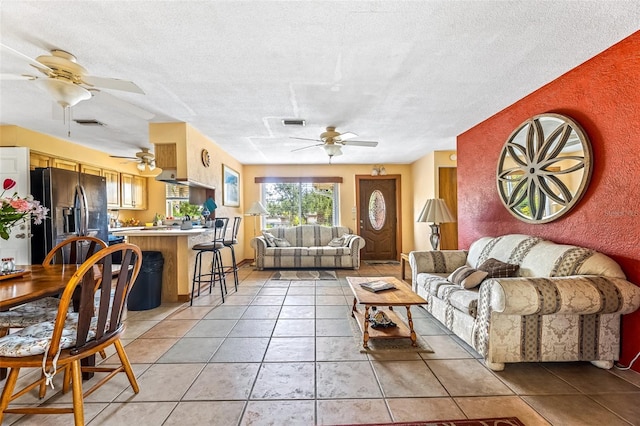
[(113, 188), (133, 192), (37, 159), (140, 192), (90, 170), (60, 163), (126, 191)]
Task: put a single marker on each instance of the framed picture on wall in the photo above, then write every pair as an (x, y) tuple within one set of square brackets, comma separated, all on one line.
[(230, 187)]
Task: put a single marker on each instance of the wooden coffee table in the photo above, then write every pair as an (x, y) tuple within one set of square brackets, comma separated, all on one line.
[(402, 295)]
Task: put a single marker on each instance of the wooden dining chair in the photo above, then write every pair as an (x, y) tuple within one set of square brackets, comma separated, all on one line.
[(74, 250), (61, 344)]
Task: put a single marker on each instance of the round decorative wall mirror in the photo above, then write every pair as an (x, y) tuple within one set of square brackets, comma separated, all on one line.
[(544, 168)]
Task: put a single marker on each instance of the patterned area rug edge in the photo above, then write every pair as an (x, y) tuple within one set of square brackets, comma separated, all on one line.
[(304, 275), (495, 421)]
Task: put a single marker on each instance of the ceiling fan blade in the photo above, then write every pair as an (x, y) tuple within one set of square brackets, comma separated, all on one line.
[(17, 77), (112, 83), (122, 104), (309, 146), (123, 156), (360, 143), (40, 66), (347, 135), (305, 139)]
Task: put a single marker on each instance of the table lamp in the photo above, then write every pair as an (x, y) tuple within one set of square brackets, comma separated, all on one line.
[(256, 209), (435, 210)]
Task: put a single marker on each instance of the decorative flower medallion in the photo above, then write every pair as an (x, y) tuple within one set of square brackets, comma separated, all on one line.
[(544, 168)]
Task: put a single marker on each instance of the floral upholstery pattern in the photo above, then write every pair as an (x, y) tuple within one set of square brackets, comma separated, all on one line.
[(309, 248), (564, 304), (34, 340), (35, 312)]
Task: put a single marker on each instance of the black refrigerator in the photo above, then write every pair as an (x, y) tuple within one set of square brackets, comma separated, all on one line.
[(77, 205)]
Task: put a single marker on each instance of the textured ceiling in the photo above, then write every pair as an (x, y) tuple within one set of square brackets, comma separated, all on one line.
[(411, 75)]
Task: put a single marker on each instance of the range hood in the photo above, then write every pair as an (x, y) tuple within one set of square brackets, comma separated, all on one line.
[(171, 176)]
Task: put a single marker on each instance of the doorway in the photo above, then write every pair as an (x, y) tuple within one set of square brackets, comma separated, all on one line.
[(378, 200), (448, 191)]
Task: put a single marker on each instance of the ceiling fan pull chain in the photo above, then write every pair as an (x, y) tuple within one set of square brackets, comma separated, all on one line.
[(66, 118)]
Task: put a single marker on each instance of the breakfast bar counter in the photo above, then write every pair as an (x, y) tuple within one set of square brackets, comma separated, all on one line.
[(175, 245)]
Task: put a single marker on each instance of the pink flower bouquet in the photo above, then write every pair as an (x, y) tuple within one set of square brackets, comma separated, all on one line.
[(14, 209)]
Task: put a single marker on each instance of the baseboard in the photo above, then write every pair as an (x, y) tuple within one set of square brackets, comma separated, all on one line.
[(245, 262)]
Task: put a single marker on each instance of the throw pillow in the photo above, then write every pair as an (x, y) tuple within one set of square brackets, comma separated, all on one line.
[(499, 269), (348, 238), (271, 240), (467, 277), (337, 242), (281, 242)]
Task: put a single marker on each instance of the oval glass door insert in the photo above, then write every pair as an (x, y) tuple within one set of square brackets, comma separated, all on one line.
[(377, 210)]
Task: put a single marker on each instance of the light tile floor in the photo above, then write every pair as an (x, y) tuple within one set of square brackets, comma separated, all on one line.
[(284, 353)]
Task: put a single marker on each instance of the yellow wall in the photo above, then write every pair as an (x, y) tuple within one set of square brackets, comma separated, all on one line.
[(189, 145), (19, 136), (348, 173), (419, 180), (425, 186)]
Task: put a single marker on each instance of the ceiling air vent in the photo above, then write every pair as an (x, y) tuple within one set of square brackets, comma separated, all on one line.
[(90, 122), (293, 122)]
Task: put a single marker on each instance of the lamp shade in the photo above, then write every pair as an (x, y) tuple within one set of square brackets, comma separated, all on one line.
[(435, 210), (257, 209)]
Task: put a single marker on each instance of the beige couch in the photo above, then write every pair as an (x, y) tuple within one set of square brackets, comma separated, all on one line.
[(564, 304), (308, 247)]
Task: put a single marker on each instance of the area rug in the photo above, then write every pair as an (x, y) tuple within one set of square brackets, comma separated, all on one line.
[(498, 421), (381, 262), (304, 275)]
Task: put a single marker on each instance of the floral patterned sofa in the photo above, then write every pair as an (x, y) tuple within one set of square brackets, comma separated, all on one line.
[(560, 303), (308, 246)]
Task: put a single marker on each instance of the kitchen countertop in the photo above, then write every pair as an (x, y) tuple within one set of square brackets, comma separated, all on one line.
[(124, 228), (173, 231)]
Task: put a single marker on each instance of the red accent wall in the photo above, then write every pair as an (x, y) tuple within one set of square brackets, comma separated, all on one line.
[(603, 96)]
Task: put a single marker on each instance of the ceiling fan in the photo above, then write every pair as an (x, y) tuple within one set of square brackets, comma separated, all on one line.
[(69, 83), (332, 141), (144, 158)]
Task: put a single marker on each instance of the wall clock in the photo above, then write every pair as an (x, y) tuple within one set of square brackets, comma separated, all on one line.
[(206, 159)]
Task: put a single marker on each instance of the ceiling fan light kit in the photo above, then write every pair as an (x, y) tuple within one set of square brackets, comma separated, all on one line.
[(143, 166), (378, 170), (64, 92), (332, 150)]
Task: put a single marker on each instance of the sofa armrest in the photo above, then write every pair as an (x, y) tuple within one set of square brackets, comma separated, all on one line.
[(355, 241), (259, 243), (577, 295), (436, 261)]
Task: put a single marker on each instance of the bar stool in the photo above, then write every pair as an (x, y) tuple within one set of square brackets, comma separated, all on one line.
[(217, 268), (233, 240)]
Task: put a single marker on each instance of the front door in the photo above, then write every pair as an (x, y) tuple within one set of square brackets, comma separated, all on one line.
[(378, 216), (14, 164)]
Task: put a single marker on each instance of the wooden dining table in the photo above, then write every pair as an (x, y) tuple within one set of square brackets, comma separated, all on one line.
[(38, 282)]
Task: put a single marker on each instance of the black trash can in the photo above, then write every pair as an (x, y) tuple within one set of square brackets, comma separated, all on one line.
[(146, 292)]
